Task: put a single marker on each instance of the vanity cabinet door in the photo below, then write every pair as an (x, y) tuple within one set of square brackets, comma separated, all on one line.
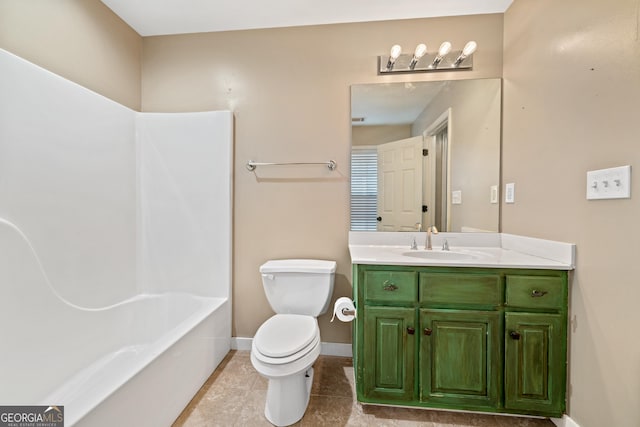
[(535, 348), (460, 358), (388, 359)]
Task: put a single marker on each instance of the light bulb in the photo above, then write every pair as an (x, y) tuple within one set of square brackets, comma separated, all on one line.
[(442, 52), (396, 50), (421, 49), (469, 48), (393, 55), (445, 48)]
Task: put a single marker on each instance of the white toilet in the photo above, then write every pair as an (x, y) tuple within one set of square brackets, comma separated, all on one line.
[(288, 343)]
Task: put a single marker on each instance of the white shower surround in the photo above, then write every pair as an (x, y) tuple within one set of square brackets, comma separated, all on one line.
[(115, 251)]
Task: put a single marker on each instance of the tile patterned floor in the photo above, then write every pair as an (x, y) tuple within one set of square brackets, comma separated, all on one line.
[(235, 393)]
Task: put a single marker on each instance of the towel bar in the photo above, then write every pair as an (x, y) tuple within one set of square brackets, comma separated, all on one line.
[(251, 165)]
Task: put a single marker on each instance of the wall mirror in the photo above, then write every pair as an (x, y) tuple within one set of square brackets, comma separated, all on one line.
[(426, 153)]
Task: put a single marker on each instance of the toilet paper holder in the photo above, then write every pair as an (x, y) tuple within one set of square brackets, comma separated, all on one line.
[(344, 309), (347, 312)]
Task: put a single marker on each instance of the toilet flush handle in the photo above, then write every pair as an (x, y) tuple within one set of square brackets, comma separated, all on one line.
[(267, 276)]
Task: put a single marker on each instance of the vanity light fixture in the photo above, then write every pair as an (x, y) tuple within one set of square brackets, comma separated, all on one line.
[(445, 59)]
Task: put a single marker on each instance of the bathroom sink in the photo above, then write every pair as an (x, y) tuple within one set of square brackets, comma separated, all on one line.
[(442, 255)]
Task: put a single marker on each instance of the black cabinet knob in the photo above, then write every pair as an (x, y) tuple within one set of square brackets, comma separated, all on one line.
[(411, 330), (379, 219), (514, 335), (428, 331)]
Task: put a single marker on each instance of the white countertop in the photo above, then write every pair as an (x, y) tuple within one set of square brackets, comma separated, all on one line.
[(492, 250)]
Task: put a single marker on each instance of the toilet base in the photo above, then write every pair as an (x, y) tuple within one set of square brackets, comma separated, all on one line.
[(288, 397)]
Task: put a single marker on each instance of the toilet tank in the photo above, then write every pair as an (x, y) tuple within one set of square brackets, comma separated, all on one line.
[(298, 286)]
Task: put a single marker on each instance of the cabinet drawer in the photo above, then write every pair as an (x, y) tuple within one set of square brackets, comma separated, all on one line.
[(460, 289), (391, 286), (535, 292)]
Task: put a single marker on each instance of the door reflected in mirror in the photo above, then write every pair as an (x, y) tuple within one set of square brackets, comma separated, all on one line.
[(426, 153)]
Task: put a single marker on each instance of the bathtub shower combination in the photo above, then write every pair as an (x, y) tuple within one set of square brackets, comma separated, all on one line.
[(115, 251)]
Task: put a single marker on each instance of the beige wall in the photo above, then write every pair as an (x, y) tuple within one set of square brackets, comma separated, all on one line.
[(289, 90), (375, 135), (571, 104), (81, 40)]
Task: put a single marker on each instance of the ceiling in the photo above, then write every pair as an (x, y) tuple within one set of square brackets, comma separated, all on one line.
[(161, 17), (391, 103)]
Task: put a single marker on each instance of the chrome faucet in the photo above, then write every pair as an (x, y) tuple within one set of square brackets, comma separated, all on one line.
[(431, 229), (414, 244)]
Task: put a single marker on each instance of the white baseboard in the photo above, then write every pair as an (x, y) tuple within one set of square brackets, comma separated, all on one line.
[(336, 349), (328, 348), (242, 344), (565, 421)]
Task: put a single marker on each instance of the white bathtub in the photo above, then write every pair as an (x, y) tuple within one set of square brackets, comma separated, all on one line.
[(135, 363), (172, 346)]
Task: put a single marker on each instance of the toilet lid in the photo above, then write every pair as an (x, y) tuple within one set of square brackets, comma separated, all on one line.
[(285, 334)]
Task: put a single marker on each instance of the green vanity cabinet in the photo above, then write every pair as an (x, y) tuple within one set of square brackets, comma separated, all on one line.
[(479, 339)]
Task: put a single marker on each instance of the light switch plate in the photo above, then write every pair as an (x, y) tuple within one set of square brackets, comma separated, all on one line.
[(493, 198), (456, 197), (510, 193), (612, 183)]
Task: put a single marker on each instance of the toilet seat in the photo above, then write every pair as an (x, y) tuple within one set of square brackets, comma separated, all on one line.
[(284, 338)]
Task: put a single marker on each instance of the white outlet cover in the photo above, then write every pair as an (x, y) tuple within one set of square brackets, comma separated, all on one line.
[(456, 197), (510, 193), (611, 183), (493, 197)]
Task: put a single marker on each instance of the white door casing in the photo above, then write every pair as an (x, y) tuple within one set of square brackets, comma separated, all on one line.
[(442, 204)]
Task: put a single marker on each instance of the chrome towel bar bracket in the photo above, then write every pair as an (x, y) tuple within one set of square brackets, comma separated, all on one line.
[(251, 165)]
